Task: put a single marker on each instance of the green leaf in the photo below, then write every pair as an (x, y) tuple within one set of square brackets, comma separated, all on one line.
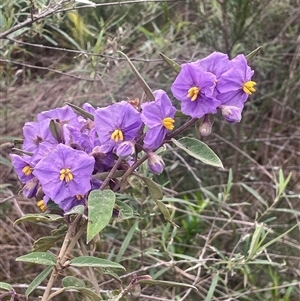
[(37, 280), (154, 189), (212, 287), (81, 111), (164, 210), (262, 248), (100, 209), (255, 194), (198, 150), (108, 271), (86, 292), (253, 53), (125, 211), (43, 244), (38, 217), (165, 283), (255, 240), (126, 241), (5, 286), (176, 67), (79, 209), (39, 258), (140, 79), (95, 262), (72, 281)]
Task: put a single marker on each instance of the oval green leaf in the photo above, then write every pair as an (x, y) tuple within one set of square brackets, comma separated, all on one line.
[(38, 217), (176, 67), (95, 262), (81, 111), (164, 210), (100, 209), (5, 286), (39, 258), (86, 292), (253, 53), (154, 189), (37, 280), (125, 211), (72, 281), (198, 150), (43, 244)]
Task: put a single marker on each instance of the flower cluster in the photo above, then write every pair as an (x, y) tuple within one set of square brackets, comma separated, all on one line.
[(63, 152), (212, 83)]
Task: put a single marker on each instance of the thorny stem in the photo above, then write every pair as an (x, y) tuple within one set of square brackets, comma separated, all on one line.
[(66, 248), (130, 171), (111, 174), (91, 269)]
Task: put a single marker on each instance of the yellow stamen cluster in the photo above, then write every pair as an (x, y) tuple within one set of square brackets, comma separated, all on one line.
[(193, 93), (41, 205), (168, 123), (248, 87), (27, 170), (117, 135), (66, 175)]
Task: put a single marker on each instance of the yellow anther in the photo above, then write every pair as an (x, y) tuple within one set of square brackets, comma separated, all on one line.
[(193, 93), (79, 197), (248, 87), (27, 170), (168, 123), (41, 205), (66, 175), (117, 135)]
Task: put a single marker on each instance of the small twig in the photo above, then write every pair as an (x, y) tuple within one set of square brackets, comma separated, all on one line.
[(50, 70)]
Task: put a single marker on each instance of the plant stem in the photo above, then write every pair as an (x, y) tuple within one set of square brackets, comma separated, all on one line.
[(62, 258), (111, 174)]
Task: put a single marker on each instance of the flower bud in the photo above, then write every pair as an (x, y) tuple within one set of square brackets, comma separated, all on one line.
[(231, 114), (206, 127), (155, 163), (31, 187), (125, 149)]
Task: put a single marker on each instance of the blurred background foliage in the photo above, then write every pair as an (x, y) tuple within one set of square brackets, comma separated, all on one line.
[(71, 55)]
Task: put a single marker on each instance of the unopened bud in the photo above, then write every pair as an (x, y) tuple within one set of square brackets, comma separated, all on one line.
[(125, 149), (206, 127), (231, 114), (155, 163), (31, 187)]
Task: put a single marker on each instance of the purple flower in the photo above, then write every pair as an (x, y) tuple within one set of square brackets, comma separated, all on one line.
[(36, 133), (30, 189), (103, 161), (231, 114), (64, 173), (70, 202), (64, 115), (216, 63), (79, 138), (125, 149), (116, 123), (155, 163), (158, 115), (194, 88), (235, 85), (23, 167)]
